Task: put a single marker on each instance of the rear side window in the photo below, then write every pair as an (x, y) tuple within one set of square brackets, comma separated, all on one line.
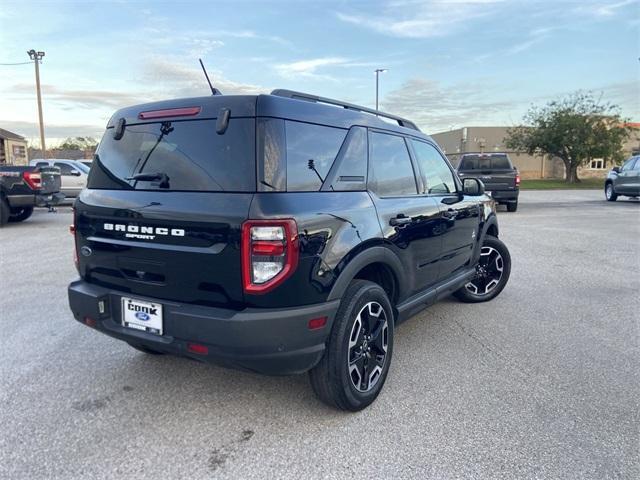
[(390, 170), (437, 175), (311, 150), (349, 171), (185, 155), (485, 162)]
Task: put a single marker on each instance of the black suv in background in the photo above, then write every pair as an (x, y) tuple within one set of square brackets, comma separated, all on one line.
[(500, 177), (279, 233)]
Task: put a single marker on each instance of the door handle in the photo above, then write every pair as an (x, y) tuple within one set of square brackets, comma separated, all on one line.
[(450, 214), (400, 219)]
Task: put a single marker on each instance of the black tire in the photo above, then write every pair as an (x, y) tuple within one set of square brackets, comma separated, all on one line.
[(487, 273), (4, 212), (512, 206), (609, 192), (338, 380), (147, 350), (20, 214)]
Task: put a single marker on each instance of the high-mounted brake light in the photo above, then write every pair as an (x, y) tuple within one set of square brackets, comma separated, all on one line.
[(269, 253), (169, 112), (33, 179)]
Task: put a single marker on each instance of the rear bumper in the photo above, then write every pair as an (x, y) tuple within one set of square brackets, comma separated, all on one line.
[(44, 200), (269, 341), (37, 200), (505, 195)]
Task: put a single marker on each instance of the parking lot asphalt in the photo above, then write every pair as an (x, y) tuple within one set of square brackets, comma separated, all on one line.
[(541, 382)]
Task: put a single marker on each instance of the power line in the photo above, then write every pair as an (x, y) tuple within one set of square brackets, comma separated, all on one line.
[(19, 63)]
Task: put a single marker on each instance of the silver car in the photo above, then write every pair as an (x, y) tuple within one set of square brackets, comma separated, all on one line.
[(72, 172)]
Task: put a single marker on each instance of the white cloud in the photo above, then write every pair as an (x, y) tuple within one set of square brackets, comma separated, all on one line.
[(53, 131), (422, 19), (435, 107), (605, 9), (535, 36), (174, 79), (310, 68), (77, 98)]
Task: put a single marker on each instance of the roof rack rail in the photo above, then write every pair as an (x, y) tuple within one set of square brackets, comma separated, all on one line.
[(403, 122)]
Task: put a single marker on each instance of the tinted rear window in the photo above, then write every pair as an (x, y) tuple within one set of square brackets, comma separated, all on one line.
[(485, 162), (311, 150), (190, 153)]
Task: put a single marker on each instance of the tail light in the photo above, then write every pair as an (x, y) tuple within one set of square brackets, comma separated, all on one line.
[(269, 253), (33, 179), (517, 180)]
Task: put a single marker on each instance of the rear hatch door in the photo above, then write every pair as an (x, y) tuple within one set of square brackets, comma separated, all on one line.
[(165, 201)]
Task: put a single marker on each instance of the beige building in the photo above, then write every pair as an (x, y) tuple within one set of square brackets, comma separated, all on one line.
[(492, 139), (13, 148)]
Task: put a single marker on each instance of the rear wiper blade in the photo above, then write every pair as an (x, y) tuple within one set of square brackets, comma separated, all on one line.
[(149, 177)]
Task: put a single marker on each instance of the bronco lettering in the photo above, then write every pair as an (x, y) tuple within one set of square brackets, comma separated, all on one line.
[(148, 232)]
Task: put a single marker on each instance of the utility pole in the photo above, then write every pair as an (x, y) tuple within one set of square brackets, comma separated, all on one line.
[(378, 72), (37, 58)]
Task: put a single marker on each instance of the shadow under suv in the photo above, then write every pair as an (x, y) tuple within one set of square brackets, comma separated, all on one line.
[(279, 233)]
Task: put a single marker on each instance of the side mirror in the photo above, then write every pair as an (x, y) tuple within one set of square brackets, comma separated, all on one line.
[(616, 169), (75, 173), (472, 187)]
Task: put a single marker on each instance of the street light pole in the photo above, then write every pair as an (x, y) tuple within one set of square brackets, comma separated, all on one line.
[(37, 58), (378, 72)]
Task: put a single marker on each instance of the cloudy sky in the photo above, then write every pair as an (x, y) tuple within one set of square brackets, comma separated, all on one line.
[(450, 63)]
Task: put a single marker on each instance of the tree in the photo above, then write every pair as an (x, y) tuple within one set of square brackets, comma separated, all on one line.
[(78, 143), (575, 129)]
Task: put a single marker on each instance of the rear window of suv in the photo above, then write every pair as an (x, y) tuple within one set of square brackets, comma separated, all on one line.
[(190, 153), (485, 162)]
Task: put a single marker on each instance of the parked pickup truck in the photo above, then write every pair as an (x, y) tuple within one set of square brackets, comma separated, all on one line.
[(501, 179), (24, 187)]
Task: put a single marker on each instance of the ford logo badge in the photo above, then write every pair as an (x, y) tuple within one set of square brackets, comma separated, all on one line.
[(142, 316)]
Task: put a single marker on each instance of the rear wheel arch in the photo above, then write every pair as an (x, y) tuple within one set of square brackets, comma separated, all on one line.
[(381, 274), (377, 264)]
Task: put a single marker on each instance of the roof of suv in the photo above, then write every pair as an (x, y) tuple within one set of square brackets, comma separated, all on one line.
[(284, 104)]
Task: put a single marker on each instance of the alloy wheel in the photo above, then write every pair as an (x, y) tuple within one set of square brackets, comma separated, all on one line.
[(488, 272), (368, 343)]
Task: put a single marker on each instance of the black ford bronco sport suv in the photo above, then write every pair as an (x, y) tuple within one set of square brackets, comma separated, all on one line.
[(279, 233)]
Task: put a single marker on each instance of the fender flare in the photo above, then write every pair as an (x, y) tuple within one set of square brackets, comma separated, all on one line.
[(491, 221), (369, 256)]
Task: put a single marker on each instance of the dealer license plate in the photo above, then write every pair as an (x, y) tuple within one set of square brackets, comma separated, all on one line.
[(140, 315)]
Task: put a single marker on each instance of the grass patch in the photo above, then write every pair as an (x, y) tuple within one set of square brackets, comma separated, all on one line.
[(587, 184)]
